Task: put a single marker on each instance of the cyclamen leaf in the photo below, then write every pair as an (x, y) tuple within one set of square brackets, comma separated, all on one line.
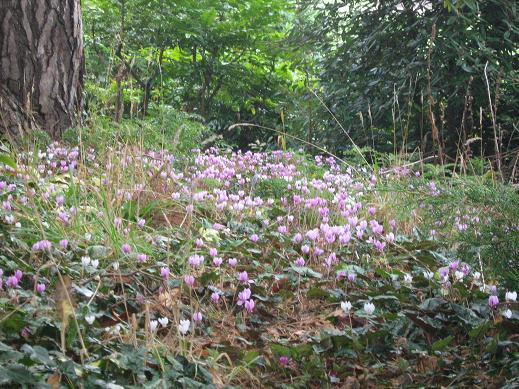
[(442, 343), (8, 161)]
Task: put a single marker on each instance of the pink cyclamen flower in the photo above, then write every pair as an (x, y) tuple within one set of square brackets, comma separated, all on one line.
[(379, 245), (12, 282), (313, 234), (444, 272), (213, 252), (63, 243), (126, 248), (284, 360), (217, 261), (243, 296), (300, 262), (40, 288), (249, 305), (305, 249), (232, 262), (199, 242), (164, 272), (254, 238), (26, 331), (197, 317), (63, 216), (493, 301), (142, 257), (196, 260), (141, 222), (215, 297), (18, 274), (330, 237), (454, 265), (189, 280), (60, 200), (352, 277), (282, 229), (243, 277), (42, 245)]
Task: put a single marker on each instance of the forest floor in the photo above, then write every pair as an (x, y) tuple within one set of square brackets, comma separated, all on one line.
[(143, 269)]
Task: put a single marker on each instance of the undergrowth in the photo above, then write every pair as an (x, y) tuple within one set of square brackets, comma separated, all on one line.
[(136, 266)]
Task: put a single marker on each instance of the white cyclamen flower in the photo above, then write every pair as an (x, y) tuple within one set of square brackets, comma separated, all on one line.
[(95, 263), (163, 321), (459, 275), (90, 319), (85, 261), (346, 306), (428, 274), (116, 266), (511, 296), (153, 325), (477, 275), (183, 327), (408, 278), (507, 313), (369, 308)]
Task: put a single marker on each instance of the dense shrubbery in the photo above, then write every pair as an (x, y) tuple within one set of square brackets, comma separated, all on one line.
[(403, 75)]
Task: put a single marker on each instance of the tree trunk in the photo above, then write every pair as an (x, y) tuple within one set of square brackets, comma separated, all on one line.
[(119, 102), (41, 65)]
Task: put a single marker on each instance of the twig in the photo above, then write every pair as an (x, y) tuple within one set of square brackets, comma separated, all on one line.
[(496, 142)]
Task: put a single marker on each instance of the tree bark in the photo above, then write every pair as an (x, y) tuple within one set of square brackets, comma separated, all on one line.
[(41, 65), (119, 102)]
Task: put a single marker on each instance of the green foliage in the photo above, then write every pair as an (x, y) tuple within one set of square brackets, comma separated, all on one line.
[(221, 60), (381, 61), (167, 129)]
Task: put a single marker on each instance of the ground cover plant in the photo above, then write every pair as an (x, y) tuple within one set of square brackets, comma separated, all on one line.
[(131, 268)]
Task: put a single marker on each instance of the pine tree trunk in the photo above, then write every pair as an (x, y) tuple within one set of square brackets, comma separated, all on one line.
[(41, 65)]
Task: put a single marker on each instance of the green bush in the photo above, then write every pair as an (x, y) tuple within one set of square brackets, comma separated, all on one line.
[(164, 128)]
